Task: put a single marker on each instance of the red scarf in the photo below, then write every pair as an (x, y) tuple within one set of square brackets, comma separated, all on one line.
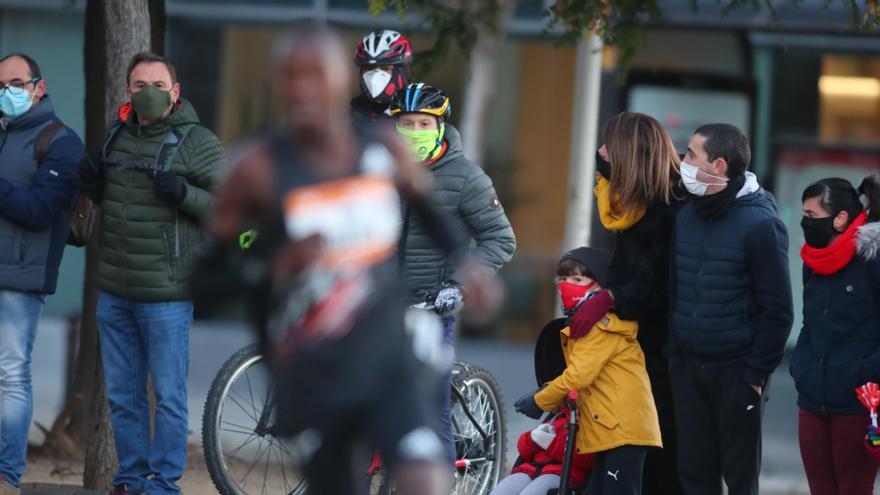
[(829, 260)]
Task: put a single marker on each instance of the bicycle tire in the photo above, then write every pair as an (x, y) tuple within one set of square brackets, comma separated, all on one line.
[(217, 466), (474, 379)]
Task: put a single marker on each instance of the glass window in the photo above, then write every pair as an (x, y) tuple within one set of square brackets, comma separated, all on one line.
[(849, 99)]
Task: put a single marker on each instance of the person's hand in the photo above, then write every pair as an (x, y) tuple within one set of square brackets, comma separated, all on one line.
[(758, 390), (449, 300), (169, 187), (589, 313), (482, 291), (90, 168), (527, 406)]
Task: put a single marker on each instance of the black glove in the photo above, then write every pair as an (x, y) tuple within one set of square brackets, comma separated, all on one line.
[(602, 166), (170, 187), (91, 168), (526, 405)]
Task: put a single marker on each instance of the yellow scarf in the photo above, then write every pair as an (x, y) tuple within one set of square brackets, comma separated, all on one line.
[(609, 220)]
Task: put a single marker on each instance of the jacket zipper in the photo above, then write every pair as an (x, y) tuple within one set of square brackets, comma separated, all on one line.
[(176, 234), (699, 278), (401, 247), (170, 261)]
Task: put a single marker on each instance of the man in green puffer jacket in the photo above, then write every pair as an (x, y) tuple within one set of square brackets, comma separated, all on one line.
[(154, 184)]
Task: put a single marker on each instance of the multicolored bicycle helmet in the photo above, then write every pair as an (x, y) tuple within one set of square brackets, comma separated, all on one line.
[(377, 51), (383, 47), (421, 98)]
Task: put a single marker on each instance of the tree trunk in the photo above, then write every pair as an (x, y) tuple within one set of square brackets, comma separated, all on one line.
[(122, 30), (478, 92)]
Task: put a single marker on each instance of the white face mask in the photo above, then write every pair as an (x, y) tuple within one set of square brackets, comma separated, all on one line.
[(376, 81), (695, 186)]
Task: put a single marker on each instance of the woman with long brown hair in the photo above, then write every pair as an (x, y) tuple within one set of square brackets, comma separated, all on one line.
[(637, 192)]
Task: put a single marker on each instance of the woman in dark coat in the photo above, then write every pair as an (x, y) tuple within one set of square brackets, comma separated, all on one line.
[(839, 346), (636, 191)]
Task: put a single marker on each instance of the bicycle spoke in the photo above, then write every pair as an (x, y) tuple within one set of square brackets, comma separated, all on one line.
[(280, 456), (247, 377), (266, 469), (260, 453), (246, 442), (233, 399)]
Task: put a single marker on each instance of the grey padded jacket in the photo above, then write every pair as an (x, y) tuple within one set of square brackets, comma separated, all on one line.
[(464, 194)]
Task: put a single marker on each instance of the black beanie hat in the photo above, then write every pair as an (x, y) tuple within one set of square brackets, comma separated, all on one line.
[(597, 261)]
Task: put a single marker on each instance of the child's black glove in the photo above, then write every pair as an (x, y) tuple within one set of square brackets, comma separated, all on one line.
[(526, 405)]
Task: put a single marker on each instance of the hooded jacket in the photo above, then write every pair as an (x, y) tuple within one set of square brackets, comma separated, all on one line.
[(730, 290), (465, 195), (35, 201), (147, 245), (607, 368), (838, 348)]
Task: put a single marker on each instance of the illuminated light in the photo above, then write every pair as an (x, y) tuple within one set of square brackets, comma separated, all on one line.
[(857, 87)]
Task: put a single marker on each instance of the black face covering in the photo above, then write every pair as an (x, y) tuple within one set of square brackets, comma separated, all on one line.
[(716, 205), (603, 167), (818, 231)]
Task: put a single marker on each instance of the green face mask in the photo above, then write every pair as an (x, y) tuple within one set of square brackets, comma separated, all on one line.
[(150, 103), (425, 145)]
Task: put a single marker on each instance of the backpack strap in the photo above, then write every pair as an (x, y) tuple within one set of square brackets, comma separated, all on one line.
[(110, 137), (169, 147), (44, 139)]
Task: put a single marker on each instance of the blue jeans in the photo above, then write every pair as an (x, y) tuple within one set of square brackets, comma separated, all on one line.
[(136, 339), (19, 313), (445, 398)]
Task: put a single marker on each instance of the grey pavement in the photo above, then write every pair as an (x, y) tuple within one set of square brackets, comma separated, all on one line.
[(50, 489), (211, 343)]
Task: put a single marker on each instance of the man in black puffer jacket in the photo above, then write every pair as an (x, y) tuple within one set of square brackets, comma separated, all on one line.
[(465, 195), (731, 313)]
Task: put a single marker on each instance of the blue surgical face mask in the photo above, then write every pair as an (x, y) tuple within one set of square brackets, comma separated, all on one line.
[(14, 103)]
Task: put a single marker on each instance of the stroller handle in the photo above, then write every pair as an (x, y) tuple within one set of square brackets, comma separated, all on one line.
[(570, 441)]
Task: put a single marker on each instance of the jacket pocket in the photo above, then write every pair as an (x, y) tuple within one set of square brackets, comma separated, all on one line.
[(171, 259), (600, 414), (15, 248)]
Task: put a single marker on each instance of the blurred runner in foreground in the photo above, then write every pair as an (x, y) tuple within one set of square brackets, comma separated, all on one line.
[(323, 280)]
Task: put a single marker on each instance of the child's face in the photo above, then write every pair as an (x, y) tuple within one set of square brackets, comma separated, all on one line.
[(574, 288), (576, 279)]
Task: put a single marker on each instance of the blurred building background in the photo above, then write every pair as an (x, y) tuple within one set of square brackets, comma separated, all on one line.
[(803, 86)]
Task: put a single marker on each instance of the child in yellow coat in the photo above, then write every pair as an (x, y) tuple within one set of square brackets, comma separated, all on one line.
[(618, 420)]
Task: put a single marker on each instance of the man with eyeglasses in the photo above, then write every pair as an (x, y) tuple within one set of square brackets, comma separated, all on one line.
[(38, 182)]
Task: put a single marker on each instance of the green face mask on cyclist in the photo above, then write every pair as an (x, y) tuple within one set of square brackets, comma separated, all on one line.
[(425, 145)]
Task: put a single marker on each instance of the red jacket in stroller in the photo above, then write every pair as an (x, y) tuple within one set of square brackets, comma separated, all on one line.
[(535, 461)]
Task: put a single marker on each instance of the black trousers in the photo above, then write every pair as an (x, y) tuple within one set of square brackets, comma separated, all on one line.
[(618, 471), (661, 465), (719, 415)]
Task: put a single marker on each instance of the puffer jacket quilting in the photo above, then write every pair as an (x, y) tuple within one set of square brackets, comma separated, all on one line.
[(147, 246), (464, 194)]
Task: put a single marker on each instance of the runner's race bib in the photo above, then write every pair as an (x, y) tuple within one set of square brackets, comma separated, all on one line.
[(359, 221)]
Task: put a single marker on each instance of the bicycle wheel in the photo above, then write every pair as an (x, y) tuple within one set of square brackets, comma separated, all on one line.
[(242, 455), (479, 430)]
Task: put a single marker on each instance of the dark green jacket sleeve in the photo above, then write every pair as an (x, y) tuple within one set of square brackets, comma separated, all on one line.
[(204, 159), (488, 225)]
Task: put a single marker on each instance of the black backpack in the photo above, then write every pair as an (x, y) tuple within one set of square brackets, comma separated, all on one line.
[(83, 213)]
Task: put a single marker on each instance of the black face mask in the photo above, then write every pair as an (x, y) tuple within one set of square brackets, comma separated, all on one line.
[(818, 231), (603, 167)]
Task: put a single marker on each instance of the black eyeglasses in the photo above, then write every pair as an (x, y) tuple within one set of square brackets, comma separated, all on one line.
[(17, 87)]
